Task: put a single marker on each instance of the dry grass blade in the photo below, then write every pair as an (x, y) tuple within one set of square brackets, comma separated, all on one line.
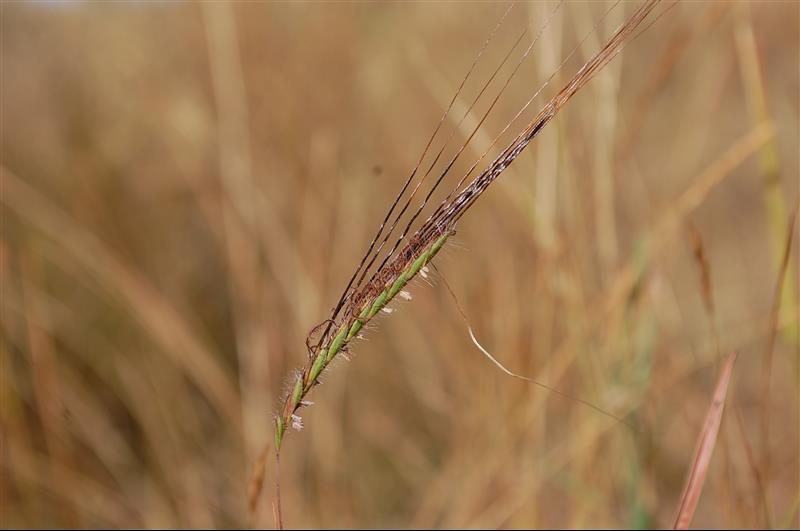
[(257, 482), (705, 448), (147, 304), (705, 282), (751, 462), (705, 270)]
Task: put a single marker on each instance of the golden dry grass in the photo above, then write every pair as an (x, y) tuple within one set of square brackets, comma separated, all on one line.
[(186, 189)]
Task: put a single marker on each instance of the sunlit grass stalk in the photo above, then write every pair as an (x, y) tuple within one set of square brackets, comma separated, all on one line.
[(773, 196)]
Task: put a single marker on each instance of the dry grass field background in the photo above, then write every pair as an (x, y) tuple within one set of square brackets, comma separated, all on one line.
[(186, 188)]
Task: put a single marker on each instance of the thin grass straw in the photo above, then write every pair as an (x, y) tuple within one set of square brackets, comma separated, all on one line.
[(508, 372)]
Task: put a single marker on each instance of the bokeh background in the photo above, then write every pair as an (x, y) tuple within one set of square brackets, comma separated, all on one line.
[(186, 188)]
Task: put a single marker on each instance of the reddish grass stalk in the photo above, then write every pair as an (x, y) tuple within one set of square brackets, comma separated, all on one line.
[(705, 448)]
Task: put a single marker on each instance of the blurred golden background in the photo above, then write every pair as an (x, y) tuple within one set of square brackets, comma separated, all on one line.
[(187, 187)]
